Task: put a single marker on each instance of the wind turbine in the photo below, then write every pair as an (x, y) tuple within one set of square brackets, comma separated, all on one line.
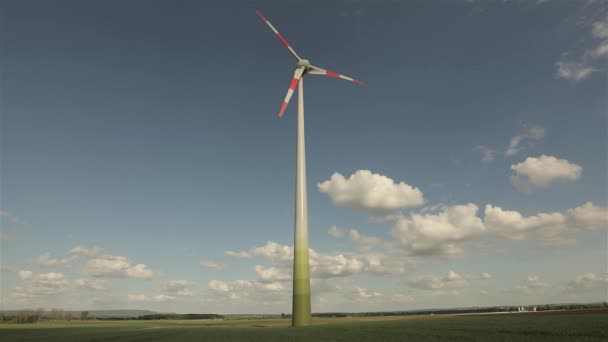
[(301, 273)]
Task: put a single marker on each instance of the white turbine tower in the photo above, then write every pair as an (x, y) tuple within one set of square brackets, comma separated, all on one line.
[(301, 276)]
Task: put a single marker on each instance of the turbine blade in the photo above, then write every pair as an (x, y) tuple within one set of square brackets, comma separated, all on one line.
[(279, 35), (292, 86), (318, 71)]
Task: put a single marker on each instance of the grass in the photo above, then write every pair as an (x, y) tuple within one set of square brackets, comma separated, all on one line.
[(588, 327)]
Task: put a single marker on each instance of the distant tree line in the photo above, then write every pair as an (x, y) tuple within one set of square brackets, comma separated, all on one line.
[(34, 316)]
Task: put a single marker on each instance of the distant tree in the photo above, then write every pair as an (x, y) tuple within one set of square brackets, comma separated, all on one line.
[(84, 315), (282, 315), (28, 316)]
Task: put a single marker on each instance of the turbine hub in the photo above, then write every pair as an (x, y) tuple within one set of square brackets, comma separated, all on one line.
[(304, 63)]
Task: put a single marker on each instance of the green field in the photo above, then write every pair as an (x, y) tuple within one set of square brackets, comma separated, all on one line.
[(523, 327)]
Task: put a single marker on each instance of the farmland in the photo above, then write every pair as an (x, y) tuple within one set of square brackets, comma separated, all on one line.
[(559, 326)]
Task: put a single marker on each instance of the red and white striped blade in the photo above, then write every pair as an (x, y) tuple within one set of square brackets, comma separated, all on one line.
[(279, 35), (318, 71), (292, 86)]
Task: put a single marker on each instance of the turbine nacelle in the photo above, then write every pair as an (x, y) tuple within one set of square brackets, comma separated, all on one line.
[(304, 63)]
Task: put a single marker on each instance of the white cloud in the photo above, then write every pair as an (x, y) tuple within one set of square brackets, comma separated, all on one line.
[(487, 154), (218, 286), (162, 298), (92, 284), (45, 260), (486, 275), (272, 274), (213, 265), (573, 71), (532, 285), (116, 266), (588, 216), (44, 284), (25, 274), (177, 288), (335, 232), (139, 271), (143, 298), (543, 171), (362, 295), (329, 266), (513, 225), (88, 252), (321, 265), (452, 280), (601, 50), (587, 283), (551, 228), (247, 291), (366, 191), (366, 242), (136, 298), (238, 255), (438, 233), (525, 139)]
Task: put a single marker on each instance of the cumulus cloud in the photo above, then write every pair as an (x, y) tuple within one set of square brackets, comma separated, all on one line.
[(45, 260), (177, 288), (443, 233), (525, 139), (532, 285), (247, 291), (88, 252), (272, 274), (438, 233), (362, 295), (25, 274), (452, 280), (513, 225), (335, 232), (238, 255), (116, 266), (587, 283), (218, 286), (366, 191), (213, 265), (543, 171), (588, 216), (486, 275), (44, 284), (92, 284), (366, 242), (550, 227), (321, 265)]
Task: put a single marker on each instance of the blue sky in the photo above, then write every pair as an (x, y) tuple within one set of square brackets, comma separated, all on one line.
[(140, 140)]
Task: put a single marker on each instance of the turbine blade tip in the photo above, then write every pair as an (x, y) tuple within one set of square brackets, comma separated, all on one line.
[(260, 15)]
